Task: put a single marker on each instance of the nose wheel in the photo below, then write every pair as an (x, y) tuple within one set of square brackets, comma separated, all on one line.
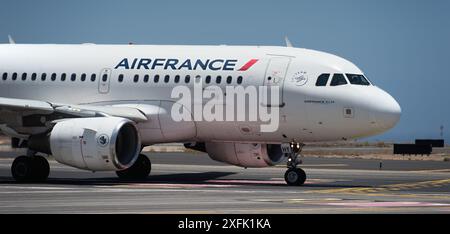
[(294, 176)]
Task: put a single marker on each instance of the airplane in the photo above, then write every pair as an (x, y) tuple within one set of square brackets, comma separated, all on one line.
[(95, 107)]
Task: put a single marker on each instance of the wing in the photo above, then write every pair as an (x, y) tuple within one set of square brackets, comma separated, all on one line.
[(21, 116), (24, 105)]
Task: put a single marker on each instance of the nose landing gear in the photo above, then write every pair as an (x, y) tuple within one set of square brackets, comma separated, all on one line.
[(294, 176)]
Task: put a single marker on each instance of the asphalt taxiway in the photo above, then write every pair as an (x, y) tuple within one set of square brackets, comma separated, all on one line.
[(192, 183)]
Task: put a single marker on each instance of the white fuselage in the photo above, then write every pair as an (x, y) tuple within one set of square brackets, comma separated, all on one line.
[(307, 112)]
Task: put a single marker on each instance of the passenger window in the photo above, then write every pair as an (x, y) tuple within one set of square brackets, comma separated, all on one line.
[(357, 79), (187, 79), (146, 78), (105, 77), (53, 76), (5, 76), (156, 78), (166, 79), (338, 79), (229, 79), (24, 76), (43, 76), (63, 77), (198, 79), (121, 78), (33, 76), (218, 79), (177, 79), (208, 79), (322, 80), (239, 80), (136, 78), (93, 77), (73, 77), (83, 77)]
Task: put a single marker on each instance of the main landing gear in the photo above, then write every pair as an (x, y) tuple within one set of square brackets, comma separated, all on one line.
[(294, 176), (139, 171), (30, 168), (35, 168)]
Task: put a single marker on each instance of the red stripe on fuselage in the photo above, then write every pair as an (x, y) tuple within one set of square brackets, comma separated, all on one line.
[(248, 65)]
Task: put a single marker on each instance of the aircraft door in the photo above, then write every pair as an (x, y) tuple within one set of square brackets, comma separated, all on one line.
[(274, 77), (103, 83)]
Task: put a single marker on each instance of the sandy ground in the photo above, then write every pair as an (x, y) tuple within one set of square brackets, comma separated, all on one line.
[(352, 150)]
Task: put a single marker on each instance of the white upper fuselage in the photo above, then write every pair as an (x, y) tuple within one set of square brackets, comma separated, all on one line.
[(308, 112)]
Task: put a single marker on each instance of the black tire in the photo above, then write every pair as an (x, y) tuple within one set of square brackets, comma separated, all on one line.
[(295, 177), (139, 171), (41, 168), (30, 169), (22, 169)]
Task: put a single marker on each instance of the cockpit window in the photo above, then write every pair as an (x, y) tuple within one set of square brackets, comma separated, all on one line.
[(322, 80), (338, 79), (357, 79)]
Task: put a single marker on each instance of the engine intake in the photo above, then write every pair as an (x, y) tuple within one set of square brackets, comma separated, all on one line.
[(97, 144)]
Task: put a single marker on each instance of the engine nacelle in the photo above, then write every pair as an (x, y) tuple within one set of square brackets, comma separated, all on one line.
[(97, 144), (245, 155)]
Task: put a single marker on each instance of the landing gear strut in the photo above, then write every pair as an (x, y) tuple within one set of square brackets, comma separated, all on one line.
[(139, 171), (30, 168), (294, 176)]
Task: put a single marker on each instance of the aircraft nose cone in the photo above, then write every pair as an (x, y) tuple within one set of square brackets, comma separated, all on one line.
[(387, 111)]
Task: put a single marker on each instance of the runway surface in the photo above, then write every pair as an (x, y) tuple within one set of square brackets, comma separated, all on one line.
[(192, 183)]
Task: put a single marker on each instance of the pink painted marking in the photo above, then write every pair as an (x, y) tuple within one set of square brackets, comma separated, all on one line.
[(272, 181), (180, 186), (246, 181)]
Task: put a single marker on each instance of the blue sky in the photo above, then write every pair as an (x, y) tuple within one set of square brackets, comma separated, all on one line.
[(402, 45)]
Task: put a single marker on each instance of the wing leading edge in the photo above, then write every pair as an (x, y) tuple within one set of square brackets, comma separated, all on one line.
[(12, 109)]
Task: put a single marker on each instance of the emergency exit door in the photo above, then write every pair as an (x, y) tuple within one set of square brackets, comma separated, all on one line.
[(103, 83)]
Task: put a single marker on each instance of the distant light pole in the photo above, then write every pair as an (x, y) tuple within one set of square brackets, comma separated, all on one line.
[(442, 131)]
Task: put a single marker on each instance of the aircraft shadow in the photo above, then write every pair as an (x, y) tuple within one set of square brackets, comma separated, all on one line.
[(203, 178), (180, 178)]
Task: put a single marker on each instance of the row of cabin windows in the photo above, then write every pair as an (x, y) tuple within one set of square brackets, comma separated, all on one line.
[(52, 77), (93, 77), (339, 79), (177, 79)]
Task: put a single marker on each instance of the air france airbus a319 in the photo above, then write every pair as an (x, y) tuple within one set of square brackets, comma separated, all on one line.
[(95, 107)]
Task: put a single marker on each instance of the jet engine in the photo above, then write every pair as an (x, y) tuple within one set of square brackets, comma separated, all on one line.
[(245, 154), (96, 144)]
